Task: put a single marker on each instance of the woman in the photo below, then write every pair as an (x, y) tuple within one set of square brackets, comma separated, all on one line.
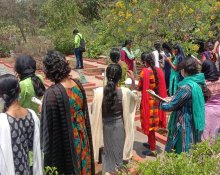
[(19, 132), (208, 67), (30, 84), (175, 75), (65, 125), (167, 68), (151, 117), (157, 54), (127, 55), (112, 120), (115, 58), (188, 118)]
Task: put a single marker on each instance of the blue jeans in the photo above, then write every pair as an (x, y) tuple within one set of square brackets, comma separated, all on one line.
[(79, 59)]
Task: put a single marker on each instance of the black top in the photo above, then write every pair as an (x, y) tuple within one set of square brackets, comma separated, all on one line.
[(22, 136), (56, 131), (210, 70), (116, 111)]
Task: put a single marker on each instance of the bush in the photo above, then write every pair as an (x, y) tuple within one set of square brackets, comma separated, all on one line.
[(63, 41), (8, 37), (203, 159), (36, 47)]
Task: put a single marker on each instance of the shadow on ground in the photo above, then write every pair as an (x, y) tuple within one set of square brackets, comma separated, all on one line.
[(139, 148)]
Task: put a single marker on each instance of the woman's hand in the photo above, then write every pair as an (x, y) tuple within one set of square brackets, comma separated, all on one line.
[(130, 74), (168, 59)]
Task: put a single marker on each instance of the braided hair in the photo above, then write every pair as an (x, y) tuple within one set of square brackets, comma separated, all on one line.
[(113, 74), (149, 59), (9, 90)]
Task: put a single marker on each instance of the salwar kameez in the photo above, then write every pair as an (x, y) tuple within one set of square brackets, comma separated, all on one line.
[(182, 132), (152, 118), (79, 130)]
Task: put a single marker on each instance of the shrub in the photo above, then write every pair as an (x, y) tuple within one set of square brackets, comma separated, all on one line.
[(202, 159), (36, 47), (8, 37)]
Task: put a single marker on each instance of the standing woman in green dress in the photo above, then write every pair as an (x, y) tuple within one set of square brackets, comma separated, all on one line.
[(65, 124), (31, 84), (175, 75)]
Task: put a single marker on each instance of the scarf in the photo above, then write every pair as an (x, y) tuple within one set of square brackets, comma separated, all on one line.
[(198, 103), (145, 112), (130, 55)]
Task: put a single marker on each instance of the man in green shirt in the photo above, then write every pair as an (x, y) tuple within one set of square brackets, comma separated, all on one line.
[(78, 51)]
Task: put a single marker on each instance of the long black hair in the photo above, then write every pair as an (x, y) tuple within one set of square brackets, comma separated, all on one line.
[(167, 47), (9, 90), (115, 55), (149, 59), (113, 74), (25, 66)]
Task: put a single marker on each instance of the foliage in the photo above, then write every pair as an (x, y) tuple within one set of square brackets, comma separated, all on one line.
[(8, 38), (36, 47), (203, 158), (145, 22), (24, 14)]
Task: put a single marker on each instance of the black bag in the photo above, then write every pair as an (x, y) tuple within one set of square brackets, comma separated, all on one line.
[(82, 44)]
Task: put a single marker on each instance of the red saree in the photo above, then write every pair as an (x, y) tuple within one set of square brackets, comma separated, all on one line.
[(151, 121)]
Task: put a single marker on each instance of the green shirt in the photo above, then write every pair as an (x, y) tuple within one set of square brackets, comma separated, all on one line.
[(78, 37), (27, 92)]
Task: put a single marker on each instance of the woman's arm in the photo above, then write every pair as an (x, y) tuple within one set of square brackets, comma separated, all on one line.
[(179, 99), (174, 67), (131, 75)]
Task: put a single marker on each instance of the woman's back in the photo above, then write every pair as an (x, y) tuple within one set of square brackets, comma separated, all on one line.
[(27, 92), (114, 112)]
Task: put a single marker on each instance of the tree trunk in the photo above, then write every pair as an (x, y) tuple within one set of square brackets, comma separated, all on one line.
[(20, 26)]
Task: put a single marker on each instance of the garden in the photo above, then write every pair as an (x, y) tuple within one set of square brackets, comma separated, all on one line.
[(33, 27)]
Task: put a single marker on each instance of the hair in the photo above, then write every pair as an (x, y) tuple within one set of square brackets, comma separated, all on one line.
[(75, 31), (9, 90), (113, 74), (167, 46), (149, 59), (25, 66), (55, 66), (115, 55), (127, 42), (189, 65), (158, 48), (209, 46), (181, 55)]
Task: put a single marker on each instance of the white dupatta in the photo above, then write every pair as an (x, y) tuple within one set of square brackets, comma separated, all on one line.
[(129, 103), (6, 155)]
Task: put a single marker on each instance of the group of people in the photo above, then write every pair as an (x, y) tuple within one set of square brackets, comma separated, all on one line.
[(60, 133)]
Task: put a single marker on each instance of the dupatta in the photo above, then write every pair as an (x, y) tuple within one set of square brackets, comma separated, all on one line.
[(145, 100)]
